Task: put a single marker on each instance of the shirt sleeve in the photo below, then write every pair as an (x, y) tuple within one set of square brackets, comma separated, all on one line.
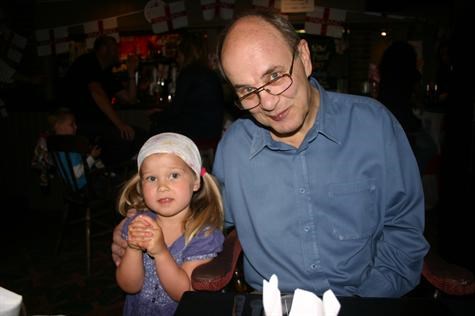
[(204, 245), (401, 247)]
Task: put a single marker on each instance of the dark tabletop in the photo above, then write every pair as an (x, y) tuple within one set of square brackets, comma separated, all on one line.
[(215, 303)]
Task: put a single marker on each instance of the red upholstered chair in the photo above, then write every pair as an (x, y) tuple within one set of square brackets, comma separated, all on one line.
[(447, 278), (216, 274)]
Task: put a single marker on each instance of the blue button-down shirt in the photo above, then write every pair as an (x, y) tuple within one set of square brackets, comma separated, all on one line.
[(344, 211)]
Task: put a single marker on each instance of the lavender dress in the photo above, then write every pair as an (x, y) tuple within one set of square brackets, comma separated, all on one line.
[(152, 299)]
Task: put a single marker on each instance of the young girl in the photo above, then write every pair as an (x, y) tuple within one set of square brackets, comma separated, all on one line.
[(177, 228)]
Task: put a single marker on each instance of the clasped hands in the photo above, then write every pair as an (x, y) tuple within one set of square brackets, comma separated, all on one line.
[(145, 234)]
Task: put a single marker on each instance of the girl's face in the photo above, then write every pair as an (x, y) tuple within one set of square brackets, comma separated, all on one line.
[(168, 184), (66, 126)]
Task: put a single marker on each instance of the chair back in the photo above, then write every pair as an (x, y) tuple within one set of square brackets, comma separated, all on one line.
[(217, 273), (68, 153)]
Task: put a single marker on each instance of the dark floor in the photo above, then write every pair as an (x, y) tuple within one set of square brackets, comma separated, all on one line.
[(56, 284)]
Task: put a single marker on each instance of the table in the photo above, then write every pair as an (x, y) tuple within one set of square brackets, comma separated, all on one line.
[(216, 303)]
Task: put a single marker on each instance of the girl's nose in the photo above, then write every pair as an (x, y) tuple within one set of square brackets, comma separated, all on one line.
[(162, 186)]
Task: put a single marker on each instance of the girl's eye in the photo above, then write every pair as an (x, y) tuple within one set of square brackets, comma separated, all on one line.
[(151, 179), (174, 175)]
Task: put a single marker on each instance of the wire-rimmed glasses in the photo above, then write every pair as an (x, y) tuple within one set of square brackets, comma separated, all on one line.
[(276, 86)]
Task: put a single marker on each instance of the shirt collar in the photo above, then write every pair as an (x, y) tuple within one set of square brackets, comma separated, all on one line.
[(324, 124)]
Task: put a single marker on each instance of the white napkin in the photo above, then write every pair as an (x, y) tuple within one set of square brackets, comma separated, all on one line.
[(307, 303), (271, 297), (304, 303), (10, 303), (331, 306)]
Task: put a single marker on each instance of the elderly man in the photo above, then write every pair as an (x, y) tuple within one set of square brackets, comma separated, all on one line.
[(322, 187)]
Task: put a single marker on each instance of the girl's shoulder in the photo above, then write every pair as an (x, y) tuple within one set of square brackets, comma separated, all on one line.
[(207, 242), (208, 232)]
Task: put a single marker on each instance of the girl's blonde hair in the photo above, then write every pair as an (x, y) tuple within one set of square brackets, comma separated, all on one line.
[(206, 205)]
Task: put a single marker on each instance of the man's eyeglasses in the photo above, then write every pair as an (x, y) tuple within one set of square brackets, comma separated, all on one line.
[(276, 86)]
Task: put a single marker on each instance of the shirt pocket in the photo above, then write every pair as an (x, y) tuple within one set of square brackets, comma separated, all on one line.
[(352, 209)]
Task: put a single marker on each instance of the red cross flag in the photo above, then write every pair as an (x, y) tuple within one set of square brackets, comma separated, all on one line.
[(168, 16), (214, 8), (326, 22), (53, 41), (94, 29)]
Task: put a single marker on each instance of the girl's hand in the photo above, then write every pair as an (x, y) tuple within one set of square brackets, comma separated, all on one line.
[(156, 245), (139, 234)]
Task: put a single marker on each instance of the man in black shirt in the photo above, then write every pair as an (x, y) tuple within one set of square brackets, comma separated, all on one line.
[(89, 88)]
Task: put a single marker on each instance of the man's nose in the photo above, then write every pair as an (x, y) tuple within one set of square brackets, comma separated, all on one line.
[(268, 101)]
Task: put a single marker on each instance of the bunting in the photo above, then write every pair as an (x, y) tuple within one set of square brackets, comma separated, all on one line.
[(6, 72), (168, 16), (94, 29), (52, 41), (326, 22), (12, 45), (11, 53), (217, 8)]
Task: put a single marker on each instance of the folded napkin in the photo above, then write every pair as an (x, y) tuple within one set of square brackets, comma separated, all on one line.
[(271, 297), (10, 303), (304, 303)]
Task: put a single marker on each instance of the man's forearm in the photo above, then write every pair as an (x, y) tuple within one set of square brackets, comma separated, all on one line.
[(102, 101), (394, 272), (132, 89)]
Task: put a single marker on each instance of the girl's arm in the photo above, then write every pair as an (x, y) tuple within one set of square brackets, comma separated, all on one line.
[(175, 279), (130, 272)]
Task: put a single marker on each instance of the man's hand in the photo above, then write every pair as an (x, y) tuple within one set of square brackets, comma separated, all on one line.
[(126, 132), (118, 243)]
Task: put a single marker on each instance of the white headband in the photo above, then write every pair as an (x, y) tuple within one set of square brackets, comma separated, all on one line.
[(172, 143)]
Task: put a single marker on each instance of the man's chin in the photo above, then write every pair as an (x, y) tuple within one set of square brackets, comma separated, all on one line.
[(284, 131)]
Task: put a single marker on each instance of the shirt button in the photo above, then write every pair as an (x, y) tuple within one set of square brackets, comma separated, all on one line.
[(306, 228), (302, 190)]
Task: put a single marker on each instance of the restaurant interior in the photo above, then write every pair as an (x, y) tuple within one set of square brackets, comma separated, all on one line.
[(46, 259)]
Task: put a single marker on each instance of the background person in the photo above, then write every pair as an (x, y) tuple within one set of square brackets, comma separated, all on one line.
[(89, 86), (197, 110)]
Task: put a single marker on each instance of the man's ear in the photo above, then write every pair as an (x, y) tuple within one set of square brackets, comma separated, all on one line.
[(304, 54)]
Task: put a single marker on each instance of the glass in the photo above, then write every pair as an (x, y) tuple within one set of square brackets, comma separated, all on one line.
[(276, 86)]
